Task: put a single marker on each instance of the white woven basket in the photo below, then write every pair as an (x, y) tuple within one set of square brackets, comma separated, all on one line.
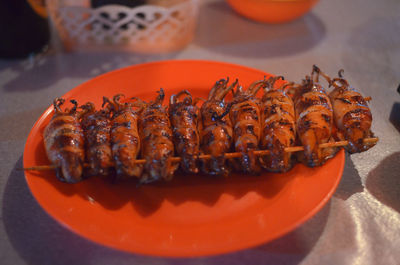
[(146, 28)]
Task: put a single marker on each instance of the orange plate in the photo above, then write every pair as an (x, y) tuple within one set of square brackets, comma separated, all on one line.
[(191, 215)]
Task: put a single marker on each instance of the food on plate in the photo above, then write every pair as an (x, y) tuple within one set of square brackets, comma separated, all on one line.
[(157, 144), (184, 116), (216, 135), (245, 117), (314, 120), (278, 123), (150, 141), (64, 142), (96, 126), (124, 133), (352, 115)]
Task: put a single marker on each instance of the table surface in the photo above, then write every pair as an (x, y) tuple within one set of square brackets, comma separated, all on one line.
[(359, 225)]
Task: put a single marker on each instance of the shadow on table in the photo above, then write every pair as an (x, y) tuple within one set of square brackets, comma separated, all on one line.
[(222, 30), (39, 239), (383, 182), (350, 182), (47, 69)]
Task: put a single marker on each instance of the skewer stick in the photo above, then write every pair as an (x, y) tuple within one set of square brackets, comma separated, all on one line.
[(291, 149), (39, 168)]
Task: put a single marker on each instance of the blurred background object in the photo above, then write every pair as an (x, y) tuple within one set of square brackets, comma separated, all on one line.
[(272, 11), (24, 28), (130, 3), (145, 26), (394, 117)]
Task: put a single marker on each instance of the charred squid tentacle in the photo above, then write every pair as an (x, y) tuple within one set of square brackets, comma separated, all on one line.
[(216, 134), (97, 130), (64, 143), (278, 127), (156, 135), (244, 113), (352, 116), (314, 116), (125, 140), (184, 116)]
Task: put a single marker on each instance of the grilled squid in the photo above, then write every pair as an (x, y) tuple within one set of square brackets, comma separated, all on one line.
[(64, 142), (125, 141), (244, 114), (314, 119), (352, 115), (184, 116), (216, 135), (278, 123), (156, 136), (97, 128)]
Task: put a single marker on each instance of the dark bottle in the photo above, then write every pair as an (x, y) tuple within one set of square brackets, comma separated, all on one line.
[(129, 3), (24, 28)]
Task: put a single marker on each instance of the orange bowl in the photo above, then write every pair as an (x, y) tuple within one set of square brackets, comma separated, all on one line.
[(272, 11)]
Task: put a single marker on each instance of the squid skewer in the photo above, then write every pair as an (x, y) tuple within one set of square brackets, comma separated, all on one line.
[(216, 136), (278, 127), (125, 141), (64, 142), (314, 121), (184, 116), (97, 130), (244, 114), (156, 136), (352, 115), (291, 149)]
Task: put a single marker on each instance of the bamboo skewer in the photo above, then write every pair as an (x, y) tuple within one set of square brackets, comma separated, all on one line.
[(291, 149), (40, 168)]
